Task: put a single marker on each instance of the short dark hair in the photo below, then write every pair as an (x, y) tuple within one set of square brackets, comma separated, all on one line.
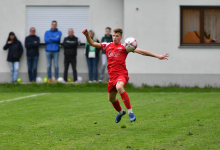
[(33, 28), (54, 21), (108, 28), (118, 30)]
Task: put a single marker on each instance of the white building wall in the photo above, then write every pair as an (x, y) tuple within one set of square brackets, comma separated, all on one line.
[(103, 13), (156, 27)]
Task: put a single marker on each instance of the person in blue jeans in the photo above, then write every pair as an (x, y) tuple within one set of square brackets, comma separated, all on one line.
[(32, 45), (15, 51), (52, 40), (92, 56)]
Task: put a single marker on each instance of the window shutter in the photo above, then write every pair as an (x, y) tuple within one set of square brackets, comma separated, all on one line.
[(67, 17)]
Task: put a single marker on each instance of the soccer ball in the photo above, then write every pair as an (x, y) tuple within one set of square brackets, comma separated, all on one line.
[(39, 80), (69, 79), (130, 44), (19, 80), (60, 80), (45, 79), (53, 79), (79, 79)]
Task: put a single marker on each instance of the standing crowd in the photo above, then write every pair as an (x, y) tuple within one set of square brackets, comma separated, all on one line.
[(52, 40)]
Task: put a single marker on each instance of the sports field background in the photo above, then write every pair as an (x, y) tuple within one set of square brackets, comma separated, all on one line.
[(82, 118)]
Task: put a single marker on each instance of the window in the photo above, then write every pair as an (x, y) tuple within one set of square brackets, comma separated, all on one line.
[(40, 17), (200, 26)]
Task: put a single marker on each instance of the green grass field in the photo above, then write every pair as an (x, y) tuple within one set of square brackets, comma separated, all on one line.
[(85, 120)]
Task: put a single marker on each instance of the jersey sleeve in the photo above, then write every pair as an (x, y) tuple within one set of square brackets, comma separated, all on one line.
[(104, 46)]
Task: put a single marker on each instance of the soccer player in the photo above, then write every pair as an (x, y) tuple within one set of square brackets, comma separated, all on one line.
[(118, 73)]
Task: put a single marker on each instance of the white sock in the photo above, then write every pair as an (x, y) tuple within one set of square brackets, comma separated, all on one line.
[(130, 111), (120, 112)]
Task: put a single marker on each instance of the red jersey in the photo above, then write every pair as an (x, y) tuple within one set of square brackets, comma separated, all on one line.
[(116, 55)]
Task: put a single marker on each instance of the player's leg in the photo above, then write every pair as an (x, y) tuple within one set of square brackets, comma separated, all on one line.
[(125, 98), (115, 102), (112, 98)]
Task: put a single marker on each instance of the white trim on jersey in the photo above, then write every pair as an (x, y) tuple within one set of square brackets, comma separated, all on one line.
[(105, 45)]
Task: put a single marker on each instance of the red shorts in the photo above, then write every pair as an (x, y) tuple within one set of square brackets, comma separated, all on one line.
[(113, 81)]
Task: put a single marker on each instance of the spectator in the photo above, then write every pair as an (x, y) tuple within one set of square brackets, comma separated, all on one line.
[(52, 40), (70, 44), (107, 38), (32, 45), (14, 54), (92, 55)]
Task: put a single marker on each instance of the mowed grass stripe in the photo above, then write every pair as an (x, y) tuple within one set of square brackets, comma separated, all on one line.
[(19, 98), (66, 121), (5, 96)]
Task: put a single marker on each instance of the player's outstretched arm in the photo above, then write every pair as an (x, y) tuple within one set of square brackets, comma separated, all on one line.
[(147, 53), (90, 41)]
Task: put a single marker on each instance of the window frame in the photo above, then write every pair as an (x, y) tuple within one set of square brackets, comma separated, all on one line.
[(201, 27)]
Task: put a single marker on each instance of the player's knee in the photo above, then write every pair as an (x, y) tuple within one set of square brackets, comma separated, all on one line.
[(111, 99), (120, 88)]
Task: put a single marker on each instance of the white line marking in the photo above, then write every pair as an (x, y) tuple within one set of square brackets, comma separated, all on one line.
[(15, 99)]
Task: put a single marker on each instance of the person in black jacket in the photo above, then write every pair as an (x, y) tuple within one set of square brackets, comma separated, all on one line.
[(92, 55), (32, 45), (70, 44), (14, 54)]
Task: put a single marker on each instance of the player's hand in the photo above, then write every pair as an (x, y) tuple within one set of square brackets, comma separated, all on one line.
[(163, 56), (85, 32), (9, 42)]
